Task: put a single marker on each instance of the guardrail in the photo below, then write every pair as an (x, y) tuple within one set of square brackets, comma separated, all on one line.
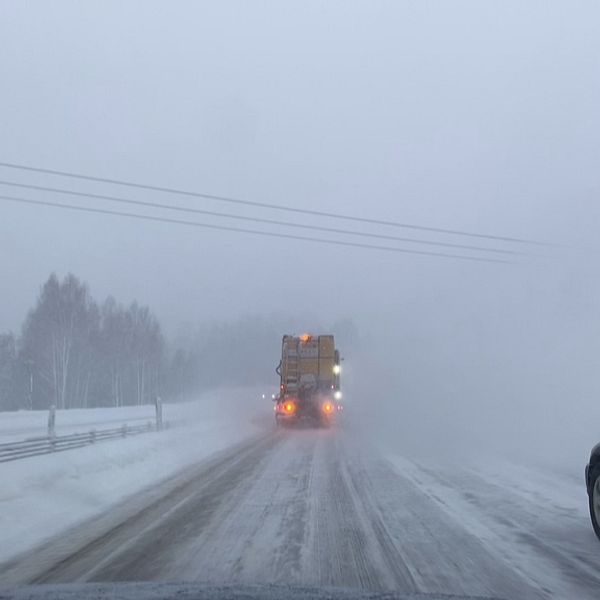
[(59, 443)]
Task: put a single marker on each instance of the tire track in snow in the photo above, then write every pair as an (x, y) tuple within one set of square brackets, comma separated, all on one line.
[(557, 556), (294, 524), (309, 507), (339, 547), (83, 552), (404, 577), (439, 554)]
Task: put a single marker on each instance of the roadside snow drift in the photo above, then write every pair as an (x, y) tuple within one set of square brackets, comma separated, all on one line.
[(41, 496)]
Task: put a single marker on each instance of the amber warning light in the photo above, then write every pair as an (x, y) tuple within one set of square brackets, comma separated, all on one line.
[(328, 408)]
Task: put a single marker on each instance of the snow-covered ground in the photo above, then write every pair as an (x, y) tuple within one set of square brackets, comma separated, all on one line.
[(41, 496), (25, 424), (302, 506), (532, 517)]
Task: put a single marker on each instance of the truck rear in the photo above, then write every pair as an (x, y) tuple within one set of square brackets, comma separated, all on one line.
[(309, 373)]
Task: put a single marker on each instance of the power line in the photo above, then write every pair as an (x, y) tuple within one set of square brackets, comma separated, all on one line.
[(305, 211), (242, 230), (257, 219)]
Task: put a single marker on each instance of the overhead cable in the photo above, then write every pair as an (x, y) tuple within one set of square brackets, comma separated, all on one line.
[(280, 207), (257, 219), (246, 231)]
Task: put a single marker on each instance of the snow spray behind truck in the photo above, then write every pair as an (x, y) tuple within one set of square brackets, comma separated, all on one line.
[(309, 373)]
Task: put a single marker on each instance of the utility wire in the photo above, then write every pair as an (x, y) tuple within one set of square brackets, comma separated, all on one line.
[(249, 231), (304, 211), (256, 219)]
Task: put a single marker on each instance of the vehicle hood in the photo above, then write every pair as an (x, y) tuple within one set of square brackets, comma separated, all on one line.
[(193, 591)]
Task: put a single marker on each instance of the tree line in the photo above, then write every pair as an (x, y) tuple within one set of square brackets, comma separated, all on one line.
[(74, 352)]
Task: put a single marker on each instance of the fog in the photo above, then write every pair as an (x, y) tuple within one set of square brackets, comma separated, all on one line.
[(471, 116)]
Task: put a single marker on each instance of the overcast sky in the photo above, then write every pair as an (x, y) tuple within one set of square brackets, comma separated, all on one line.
[(471, 115)]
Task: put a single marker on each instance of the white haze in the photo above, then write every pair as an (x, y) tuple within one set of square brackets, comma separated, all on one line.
[(468, 115), (503, 370)]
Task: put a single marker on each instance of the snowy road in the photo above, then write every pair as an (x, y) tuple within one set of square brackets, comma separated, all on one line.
[(319, 507)]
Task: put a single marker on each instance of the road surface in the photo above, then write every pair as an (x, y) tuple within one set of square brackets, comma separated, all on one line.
[(318, 507)]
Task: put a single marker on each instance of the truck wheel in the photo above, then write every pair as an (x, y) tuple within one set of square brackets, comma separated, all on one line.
[(595, 499)]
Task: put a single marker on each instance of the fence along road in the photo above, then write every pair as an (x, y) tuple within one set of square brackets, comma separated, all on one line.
[(50, 443)]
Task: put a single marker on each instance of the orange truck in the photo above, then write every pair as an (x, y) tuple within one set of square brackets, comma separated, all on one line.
[(309, 372)]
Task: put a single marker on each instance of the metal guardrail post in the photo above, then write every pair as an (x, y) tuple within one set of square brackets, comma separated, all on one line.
[(52, 422), (159, 417)]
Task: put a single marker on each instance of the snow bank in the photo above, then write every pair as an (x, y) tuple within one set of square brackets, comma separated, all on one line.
[(25, 424), (41, 496)]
